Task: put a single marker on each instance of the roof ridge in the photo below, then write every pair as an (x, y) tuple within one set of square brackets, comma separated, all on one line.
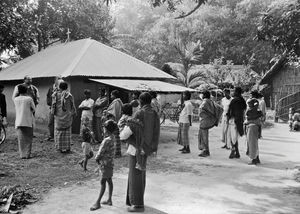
[(77, 59)]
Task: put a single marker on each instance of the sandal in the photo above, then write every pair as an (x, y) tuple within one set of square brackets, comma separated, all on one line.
[(95, 207)]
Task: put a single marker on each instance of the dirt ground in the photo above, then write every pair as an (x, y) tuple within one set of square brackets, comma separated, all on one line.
[(176, 183)]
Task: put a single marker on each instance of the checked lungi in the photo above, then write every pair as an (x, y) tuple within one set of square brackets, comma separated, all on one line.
[(63, 139), (183, 134)]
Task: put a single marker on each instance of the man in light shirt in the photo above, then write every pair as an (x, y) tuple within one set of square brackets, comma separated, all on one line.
[(225, 104), (185, 121), (87, 110)]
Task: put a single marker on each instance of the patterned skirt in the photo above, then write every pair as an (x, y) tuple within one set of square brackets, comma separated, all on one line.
[(63, 139), (183, 134)]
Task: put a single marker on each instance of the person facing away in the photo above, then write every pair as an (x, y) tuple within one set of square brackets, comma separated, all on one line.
[(105, 159), (86, 146), (87, 109), (51, 90), (185, 121), (206, 121), (100, 105), (252, 124), (63, 109), (3, 107), (149, 120), (24, 123), (225, 104), (235, 117), (32, 91), (135, 103), (154, 102)]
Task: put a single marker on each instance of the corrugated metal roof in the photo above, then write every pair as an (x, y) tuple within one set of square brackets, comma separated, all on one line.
[(143, 85), (84, 57)]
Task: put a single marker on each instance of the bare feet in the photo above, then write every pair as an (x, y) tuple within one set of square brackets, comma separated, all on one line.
[(95, 207), (108, 202)]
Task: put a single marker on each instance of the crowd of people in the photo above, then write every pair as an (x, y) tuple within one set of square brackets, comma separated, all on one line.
[(108, 122), (236, 116)]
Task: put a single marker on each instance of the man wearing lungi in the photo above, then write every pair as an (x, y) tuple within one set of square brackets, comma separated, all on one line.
[(225, 104), (24, 123), (137, 178), (235, 116), (185, 121)]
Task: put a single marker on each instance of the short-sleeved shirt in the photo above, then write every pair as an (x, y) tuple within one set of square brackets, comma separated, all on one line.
[(87, 113), (186, 111)]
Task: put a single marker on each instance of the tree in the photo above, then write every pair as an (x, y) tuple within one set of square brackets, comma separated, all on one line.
[(280, 25)]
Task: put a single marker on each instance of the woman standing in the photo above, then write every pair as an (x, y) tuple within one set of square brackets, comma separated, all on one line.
[(100, 104), (25, 109), (64, 110)]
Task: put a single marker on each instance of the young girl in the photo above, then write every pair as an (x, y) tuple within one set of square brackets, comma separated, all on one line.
[(87, 148), (105, 159)]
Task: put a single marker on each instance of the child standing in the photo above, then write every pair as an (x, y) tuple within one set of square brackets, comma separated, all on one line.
[(105, 159), (87, 148)]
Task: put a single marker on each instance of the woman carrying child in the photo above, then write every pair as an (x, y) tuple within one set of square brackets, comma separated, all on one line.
[(105, 159), (252, 125)]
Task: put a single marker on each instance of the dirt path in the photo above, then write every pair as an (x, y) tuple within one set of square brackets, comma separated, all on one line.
[(184, 183)]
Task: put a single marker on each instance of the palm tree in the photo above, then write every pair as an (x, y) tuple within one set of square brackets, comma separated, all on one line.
[(190, 54)]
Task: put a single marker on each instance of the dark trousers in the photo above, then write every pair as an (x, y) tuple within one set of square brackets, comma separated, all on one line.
[(51, 125)]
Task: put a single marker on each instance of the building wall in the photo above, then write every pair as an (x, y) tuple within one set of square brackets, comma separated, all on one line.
[(42, 110), (285, 82)]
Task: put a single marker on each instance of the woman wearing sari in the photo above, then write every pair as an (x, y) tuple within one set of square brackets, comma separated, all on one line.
[(25, 109), (64, 110)]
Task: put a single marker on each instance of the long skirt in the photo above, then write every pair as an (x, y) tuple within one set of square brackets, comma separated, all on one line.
[(51, 125), (63, 139), (252, 134), (232, 133), (203, 143), (25, 135), (98, 129), (136, 183), (183, 134)]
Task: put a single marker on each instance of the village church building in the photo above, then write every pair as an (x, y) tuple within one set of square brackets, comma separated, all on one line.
[(84, 64)]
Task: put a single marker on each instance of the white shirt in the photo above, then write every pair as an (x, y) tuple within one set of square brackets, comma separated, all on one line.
[(24, 111), (186, 111), (124, 135), (225, 103), (87, 113)]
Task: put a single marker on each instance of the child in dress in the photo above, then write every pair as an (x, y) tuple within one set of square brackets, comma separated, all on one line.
[(87, 148), (105, 159)]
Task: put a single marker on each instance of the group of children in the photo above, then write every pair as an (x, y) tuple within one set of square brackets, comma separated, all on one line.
[(129, 128)]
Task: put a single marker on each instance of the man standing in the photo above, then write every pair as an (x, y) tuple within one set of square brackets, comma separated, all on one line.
[(25, 108), (185, 121), (87, 110), (235, 116), (100, 104), (115, 110), (50, 92), (3, 112), (32, 91), (154, 102), (225, 104), (137, 178), (135, 103)]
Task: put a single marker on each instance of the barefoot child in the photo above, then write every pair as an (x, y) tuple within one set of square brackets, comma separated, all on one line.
[(87, 148), (105, 159)]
